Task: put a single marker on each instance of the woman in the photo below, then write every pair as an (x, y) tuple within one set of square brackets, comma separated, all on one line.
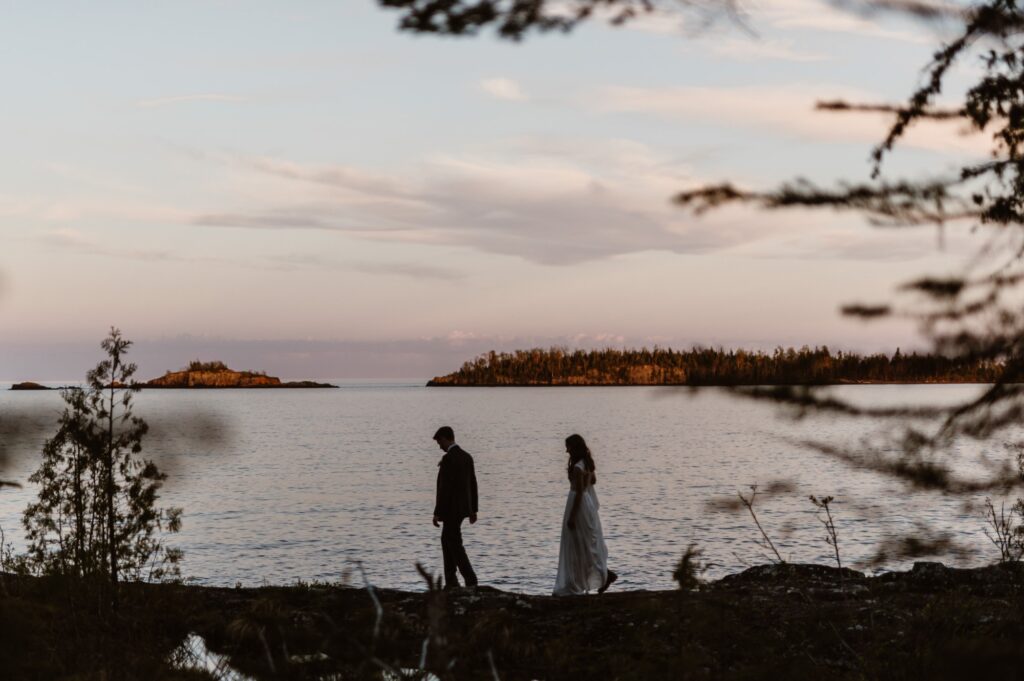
[(582, 556)]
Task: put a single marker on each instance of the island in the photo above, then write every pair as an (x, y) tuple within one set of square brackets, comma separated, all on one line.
[(713, 367), (216, 374), (30, 385)]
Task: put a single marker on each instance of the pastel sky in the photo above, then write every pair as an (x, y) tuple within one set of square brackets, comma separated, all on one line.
[(300, 188)]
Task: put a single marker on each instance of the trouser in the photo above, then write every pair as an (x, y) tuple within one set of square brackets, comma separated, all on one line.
[(455, 555)]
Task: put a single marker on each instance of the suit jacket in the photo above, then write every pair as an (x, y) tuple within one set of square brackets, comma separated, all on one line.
[(456, 486)]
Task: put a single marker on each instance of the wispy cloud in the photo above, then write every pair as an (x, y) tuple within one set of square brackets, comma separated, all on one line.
[(404, 269), (503, 88), (555, 205), (73, 240), (853, 242), (182, 99), (815, 15), (544, 209), (752, 48), (789, 109)]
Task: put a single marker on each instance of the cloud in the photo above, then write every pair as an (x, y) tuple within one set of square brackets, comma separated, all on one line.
[(558, 203), (858, 243), (72, 240), (814, 15), (117, 206), (273, 219), (659, 22), (755, 49), (182, 99), (550, 209), (404, 269), (503, 88), (789, 109)]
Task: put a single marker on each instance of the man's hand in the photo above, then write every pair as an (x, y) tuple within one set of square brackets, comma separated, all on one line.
[(437, 521), (472, 519)]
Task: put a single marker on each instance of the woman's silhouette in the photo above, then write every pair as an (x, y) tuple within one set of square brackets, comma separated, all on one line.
[(582, 556)]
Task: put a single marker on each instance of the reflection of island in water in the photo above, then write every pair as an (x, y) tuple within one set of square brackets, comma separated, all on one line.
[(218, 375)]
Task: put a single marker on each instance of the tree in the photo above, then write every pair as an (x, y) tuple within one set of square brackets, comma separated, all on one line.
[(513, 18), (96, 514)]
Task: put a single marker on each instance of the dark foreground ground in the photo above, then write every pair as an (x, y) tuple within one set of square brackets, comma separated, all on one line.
[(769, 622)]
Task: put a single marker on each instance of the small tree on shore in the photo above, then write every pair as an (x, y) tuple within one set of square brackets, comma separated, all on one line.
[(96, 513)]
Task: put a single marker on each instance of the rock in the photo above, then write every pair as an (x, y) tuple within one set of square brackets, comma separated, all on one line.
[(927, 568), (792, 572), (306, 384)]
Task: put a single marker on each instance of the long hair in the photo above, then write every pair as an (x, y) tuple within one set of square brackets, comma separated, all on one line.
[(577, 448)]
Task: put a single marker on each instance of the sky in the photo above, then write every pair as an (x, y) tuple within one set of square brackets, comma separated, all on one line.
[(300, 188)]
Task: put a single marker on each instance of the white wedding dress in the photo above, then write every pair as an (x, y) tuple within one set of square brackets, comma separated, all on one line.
[(582, 555)]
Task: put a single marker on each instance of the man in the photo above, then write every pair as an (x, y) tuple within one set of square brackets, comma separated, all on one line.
[(456, 501)]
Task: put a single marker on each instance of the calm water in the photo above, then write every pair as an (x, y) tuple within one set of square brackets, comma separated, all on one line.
[(297, 484)]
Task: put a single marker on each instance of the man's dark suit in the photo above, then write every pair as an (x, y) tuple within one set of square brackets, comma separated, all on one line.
[(456, 501)]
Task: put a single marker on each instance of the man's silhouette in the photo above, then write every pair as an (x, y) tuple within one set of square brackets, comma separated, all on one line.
[(456, 501)]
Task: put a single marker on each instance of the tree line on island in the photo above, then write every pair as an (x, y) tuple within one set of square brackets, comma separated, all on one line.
[(713, 366)]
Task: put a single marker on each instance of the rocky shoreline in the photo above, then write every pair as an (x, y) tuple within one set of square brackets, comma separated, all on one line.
[(771, 621)]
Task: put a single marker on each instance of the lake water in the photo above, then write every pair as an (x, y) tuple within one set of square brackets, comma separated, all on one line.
[(285, 485)]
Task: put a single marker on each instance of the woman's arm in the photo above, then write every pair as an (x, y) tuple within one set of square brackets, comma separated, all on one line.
[(578, 477)]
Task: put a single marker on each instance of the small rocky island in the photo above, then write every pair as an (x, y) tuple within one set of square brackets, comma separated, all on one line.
[(29, 385), (217, 375)]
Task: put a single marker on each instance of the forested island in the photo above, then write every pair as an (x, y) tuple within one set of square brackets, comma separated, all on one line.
[(712, 367), (216, 374)]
